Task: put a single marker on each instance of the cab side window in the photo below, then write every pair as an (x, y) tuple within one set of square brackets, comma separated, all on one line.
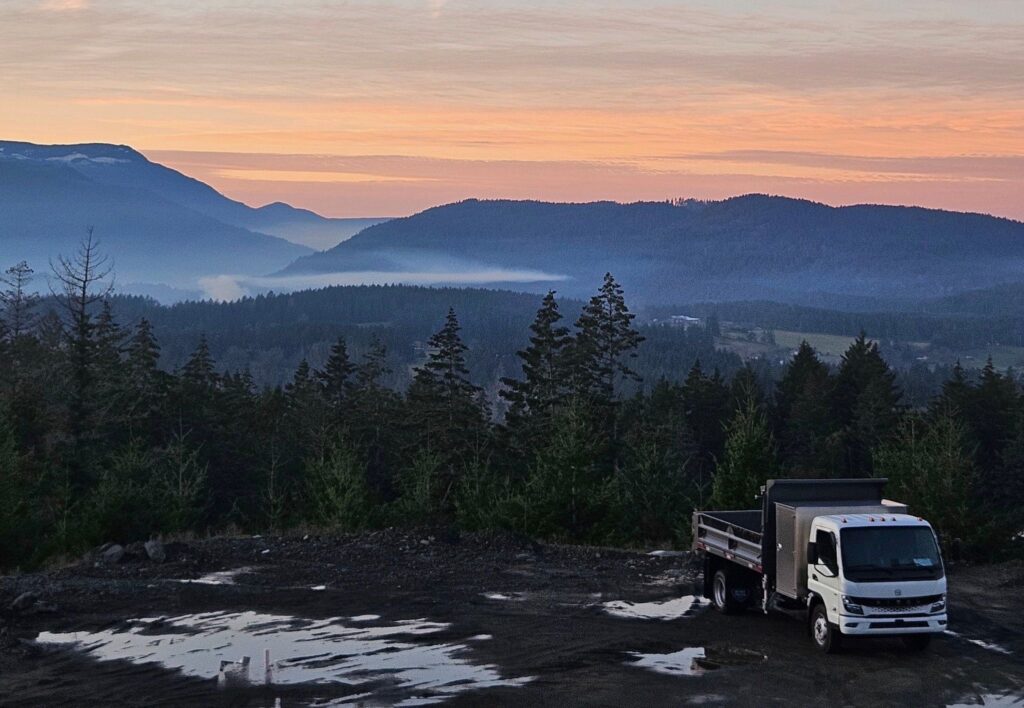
[(826, 544)]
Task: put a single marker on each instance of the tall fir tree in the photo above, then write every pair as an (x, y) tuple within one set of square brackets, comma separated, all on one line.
[(605, 344), (865, 406), (545, 381), (749, 458)]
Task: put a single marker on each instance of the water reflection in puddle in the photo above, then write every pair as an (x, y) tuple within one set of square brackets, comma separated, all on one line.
[(221, 577), (680, 663), (991, 646), (996, 700), (665, 610), (211, 645), (506, 596), (694, 661)]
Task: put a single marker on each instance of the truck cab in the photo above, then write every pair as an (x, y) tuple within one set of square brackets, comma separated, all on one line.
[(874, 574)]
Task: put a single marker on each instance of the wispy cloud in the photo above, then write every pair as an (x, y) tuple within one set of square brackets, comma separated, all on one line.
[(63, 5), (561, 99)]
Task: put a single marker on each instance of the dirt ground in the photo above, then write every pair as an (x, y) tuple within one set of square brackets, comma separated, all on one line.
[(410, 618)]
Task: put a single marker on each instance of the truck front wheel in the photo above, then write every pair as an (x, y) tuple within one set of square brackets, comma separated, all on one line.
[(729, 597), (826, 635)]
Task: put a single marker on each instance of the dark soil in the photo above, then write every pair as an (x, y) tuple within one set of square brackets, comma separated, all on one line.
[(548, 624)]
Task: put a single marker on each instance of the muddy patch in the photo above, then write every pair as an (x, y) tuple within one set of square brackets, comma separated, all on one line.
[(248, 648)]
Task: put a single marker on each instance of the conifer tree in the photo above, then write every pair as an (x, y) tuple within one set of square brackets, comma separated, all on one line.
[(865, 405), (444, 407), (605, 343), (749, 459), (802, 415), (706, 405), (928, 467), (336, 377), (545, 381), (18, 302), (441, 389)]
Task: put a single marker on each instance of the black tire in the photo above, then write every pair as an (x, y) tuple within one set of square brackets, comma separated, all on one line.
[(916, 642), (825, 635), (729, 596)]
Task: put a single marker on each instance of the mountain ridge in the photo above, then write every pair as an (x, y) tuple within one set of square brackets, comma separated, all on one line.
[(747, 247)]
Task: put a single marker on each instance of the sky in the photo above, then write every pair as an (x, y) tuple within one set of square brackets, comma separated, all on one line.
[(356, 108)]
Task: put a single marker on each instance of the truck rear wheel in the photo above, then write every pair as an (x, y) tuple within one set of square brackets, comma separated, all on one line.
[(729, 596), (826, 635)]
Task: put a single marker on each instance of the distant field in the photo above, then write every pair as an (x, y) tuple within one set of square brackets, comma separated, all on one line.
[(1003, 357), (827, 345), (835, 345)]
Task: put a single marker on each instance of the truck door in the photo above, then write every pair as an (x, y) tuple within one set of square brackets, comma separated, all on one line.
[(823, 575)]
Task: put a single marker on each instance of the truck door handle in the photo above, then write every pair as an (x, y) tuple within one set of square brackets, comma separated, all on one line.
[(814, 576)]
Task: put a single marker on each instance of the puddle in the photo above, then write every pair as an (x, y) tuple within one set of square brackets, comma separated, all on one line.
[(221, 577), (668, 554), (997, 700), (680, 663), (506, 596), (695, 661), (248, 647), (665, 610), (991, 646)]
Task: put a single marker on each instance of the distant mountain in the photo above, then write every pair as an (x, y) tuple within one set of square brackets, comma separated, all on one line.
[(167, 233), (750, 247)]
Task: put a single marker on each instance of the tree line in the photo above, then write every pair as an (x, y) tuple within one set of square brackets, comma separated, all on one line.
[(99, 443)]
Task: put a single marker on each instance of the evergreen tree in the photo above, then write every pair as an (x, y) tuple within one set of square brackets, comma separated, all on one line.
[(336, 378), (544, 385), (19, 304), (337, 494), (803, 416), (145, 385), (444, 406), (928, 468), (865, 405), (749, 459), (444, 400), (706, 401), (605, 343)]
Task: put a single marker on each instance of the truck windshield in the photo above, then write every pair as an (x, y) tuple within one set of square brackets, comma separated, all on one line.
[(890, 553)]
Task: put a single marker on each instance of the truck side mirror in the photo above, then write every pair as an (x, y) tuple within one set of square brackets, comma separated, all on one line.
[(812, 552)]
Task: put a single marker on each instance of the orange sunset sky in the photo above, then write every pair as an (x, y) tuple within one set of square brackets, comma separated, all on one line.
[(385, 108)]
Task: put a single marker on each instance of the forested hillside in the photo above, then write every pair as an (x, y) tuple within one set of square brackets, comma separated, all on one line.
[(269, 335), (744, 248), (98, 442)]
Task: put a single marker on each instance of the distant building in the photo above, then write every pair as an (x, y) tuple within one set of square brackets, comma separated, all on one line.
[(685, 321)]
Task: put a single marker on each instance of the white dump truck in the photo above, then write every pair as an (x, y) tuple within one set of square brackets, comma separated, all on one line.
[(831, 552)]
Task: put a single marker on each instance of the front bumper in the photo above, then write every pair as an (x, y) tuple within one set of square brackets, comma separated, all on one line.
[(879, 625)]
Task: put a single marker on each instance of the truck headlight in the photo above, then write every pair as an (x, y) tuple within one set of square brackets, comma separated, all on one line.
[(940, 604), (852, 607)]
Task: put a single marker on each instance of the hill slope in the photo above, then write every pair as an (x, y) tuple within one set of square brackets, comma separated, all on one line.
[(750, 247), (123, 167)]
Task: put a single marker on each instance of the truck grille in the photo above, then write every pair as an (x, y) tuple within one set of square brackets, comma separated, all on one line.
[(897, 605)]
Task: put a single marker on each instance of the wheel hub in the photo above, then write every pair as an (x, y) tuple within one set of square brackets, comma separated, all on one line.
[(820, 630)]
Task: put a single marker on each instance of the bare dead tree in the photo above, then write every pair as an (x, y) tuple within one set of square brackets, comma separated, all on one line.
[(17, 301), (78, 283)]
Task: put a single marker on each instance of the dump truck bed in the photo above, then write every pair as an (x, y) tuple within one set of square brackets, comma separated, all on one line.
[(734, 535)]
